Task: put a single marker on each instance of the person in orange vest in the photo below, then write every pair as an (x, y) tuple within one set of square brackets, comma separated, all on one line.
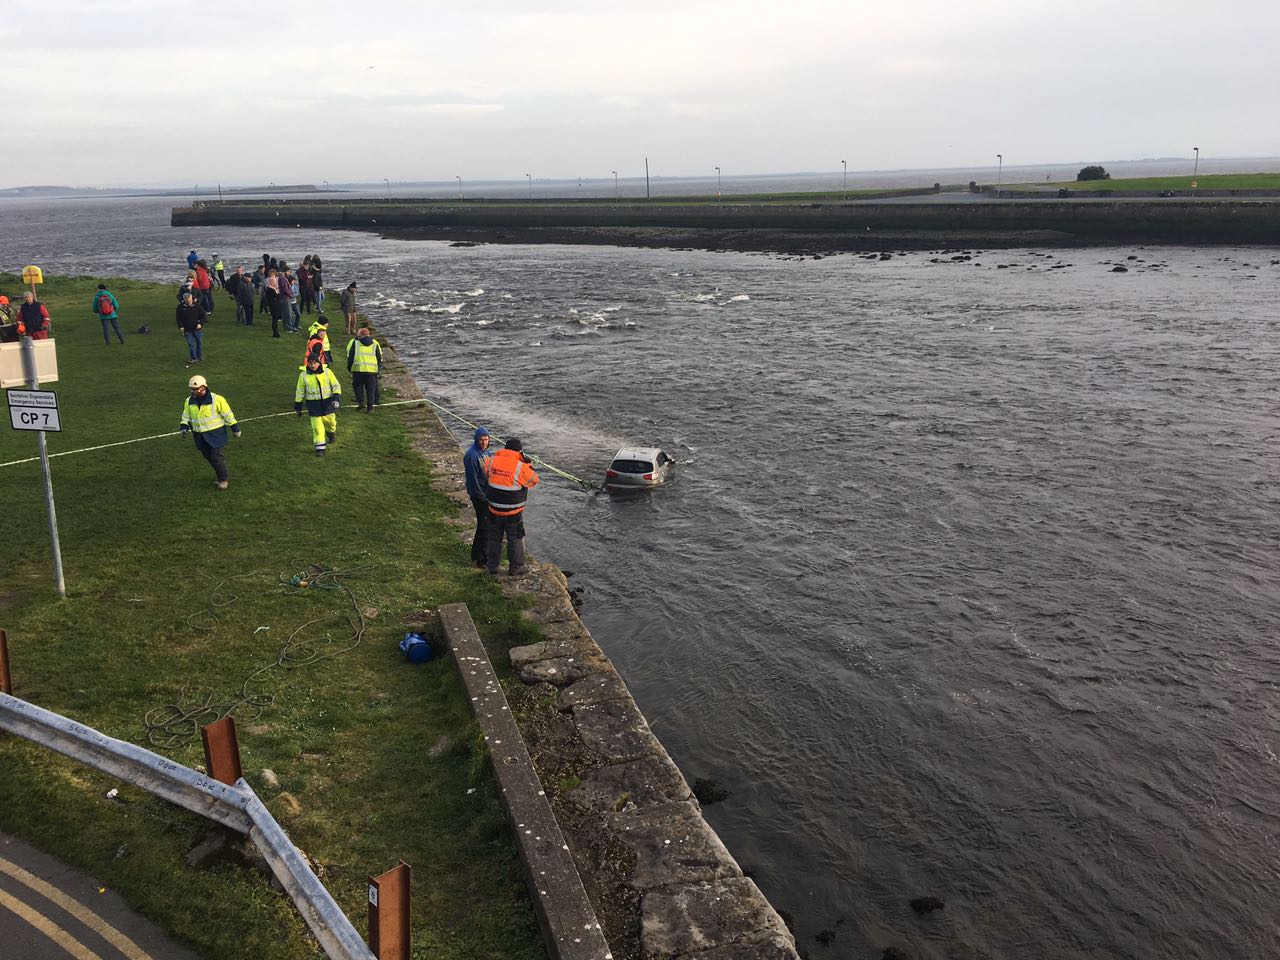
[(33, 318), (508, 479)]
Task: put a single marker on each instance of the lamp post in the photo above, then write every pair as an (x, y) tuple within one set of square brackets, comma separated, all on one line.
[(388, 183), (1195, 171), (999, 172), (615, 185), (530, 176), (458, 177), (717, 184)]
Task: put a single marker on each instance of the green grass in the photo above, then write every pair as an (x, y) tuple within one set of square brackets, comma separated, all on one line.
[(1217, 181), (168, 584)]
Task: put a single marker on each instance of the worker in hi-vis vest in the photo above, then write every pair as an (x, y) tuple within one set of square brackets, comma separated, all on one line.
[(320, 390), (207, 415), (508, 478), (364, 360)]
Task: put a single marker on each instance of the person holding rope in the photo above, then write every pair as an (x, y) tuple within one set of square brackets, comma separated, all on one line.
[(508, 479), (207, 416)]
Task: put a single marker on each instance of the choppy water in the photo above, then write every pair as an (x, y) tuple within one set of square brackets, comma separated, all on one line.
[(967, 585)]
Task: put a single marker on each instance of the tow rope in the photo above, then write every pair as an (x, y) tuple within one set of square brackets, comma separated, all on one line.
[(586, 484)]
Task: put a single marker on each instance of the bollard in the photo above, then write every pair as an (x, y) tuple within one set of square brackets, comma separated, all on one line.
[(6, 681), (222, 750), (389, 913)]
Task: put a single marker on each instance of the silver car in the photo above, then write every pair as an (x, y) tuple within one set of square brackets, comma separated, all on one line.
[(638, 467)]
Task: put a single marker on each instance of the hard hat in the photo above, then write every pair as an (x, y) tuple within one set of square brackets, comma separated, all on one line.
[(197, 381)]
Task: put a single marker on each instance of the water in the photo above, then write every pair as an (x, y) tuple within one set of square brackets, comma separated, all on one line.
[(967, 585)]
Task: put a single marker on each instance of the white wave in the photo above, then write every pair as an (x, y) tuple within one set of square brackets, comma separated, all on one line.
[(451, 308)]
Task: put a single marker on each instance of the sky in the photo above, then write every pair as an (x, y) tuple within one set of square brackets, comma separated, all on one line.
[(143, 93)]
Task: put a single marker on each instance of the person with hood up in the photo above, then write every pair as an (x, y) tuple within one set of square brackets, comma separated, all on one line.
[(364, 361), (508, 479), (320, 390), (473, 465), (107, 307), (206, 416), (192, 257)]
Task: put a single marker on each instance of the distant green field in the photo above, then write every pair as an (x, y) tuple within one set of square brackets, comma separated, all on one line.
[(1217, 181)]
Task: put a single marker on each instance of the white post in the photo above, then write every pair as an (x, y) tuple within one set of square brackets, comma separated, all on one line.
[(33, 382)]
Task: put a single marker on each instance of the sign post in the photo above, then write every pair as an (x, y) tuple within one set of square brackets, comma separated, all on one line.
[(33, 411)]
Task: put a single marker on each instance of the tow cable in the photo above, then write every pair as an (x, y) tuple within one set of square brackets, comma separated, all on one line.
[(585, 484)]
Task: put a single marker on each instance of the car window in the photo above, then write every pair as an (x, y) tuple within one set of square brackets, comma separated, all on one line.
[(663, 459), (631, 466)]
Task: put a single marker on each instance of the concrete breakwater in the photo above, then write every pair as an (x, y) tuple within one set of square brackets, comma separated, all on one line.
[(853, 225)]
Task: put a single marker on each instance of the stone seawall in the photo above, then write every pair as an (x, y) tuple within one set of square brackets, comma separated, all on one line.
[(662, 884), (822, 226)]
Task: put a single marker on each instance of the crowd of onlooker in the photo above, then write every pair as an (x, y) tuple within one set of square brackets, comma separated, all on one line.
[(273, 288)]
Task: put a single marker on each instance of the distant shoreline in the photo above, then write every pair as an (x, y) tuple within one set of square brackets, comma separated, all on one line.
[(802, 228)]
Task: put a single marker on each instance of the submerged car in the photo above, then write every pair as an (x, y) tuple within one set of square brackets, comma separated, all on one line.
[(638, 467)]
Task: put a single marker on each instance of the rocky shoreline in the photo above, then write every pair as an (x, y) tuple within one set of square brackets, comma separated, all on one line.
[(662, 884)]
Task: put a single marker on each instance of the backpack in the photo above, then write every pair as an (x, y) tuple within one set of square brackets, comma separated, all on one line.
[(144, 329), (105, 306)]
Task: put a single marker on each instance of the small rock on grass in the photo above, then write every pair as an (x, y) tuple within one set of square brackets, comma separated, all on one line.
[(289, 804), (270, 779)]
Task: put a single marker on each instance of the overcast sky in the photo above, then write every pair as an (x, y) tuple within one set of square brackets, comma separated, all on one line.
[(136, 92)]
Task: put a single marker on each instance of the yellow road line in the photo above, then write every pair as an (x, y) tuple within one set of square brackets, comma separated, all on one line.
[(78, 910), (48, 928)]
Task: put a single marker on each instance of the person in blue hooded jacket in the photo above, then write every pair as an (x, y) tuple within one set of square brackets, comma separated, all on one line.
[(107, 307), (473, 463)]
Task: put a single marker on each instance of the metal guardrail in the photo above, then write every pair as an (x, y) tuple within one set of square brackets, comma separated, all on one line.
[(235, 806)]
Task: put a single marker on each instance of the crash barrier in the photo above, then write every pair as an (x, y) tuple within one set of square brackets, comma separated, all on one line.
[(233, 805)]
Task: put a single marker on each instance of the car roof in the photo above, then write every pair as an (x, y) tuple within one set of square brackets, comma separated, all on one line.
[(637, 453)]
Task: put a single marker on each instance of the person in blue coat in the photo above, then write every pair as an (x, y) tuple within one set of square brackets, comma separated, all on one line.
[(192, 257), (107, 307), (473, 464)]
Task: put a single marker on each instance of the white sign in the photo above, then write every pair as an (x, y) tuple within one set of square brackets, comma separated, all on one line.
[(373, 895), (34, 410)]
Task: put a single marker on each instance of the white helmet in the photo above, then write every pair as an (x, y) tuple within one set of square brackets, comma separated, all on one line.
[(197, 381)]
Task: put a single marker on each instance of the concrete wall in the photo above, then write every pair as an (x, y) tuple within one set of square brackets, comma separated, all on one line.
[(1097, 222)]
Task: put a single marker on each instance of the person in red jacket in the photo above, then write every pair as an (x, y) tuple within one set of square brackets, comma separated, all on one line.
[(204, 285), (33, 318)]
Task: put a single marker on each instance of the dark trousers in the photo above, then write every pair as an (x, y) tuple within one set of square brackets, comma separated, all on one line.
[(206, 300), (244, 313), (308, 298), (115, 323), (216, 456), (480, 542), (512, 528), (366, 388), (276, 313)]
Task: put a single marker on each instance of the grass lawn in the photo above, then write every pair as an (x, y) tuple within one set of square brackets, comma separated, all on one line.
[(1217, 181), (179, 603)]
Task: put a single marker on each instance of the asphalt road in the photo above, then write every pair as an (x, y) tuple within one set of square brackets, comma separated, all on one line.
[(49, 911)]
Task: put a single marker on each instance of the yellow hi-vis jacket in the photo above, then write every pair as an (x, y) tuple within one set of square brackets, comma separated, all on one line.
[(203, 417), (324, 334), (362, 359), (318, 389)]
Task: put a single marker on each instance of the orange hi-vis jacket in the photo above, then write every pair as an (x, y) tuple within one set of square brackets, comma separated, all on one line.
[(508, 481)]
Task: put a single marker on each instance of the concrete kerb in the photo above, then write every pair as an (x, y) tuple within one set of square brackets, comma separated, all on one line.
[(628, 794)]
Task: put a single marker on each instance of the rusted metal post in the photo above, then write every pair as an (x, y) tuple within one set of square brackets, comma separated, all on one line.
[(389, 913), (6, 680), (222, 750)]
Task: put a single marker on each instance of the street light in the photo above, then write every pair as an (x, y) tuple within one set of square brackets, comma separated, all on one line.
[(717, 184), (999, 171), (844, 188), (458, 177), (615, 185), (388, 183), (1195, 170), (530, 176)]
